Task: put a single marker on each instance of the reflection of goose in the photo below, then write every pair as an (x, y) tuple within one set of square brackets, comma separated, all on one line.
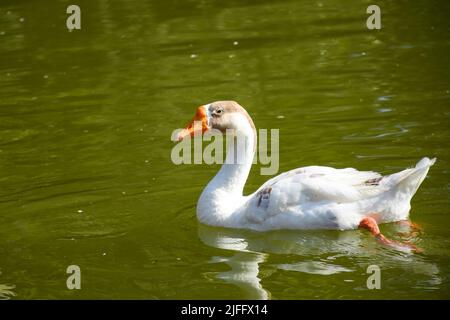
[(311, 252), (251, 249), (284, 241), (244, 264), (305, 198), (6, 291), (244, 273)]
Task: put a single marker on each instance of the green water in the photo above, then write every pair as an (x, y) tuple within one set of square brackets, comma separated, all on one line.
[(86, 117)]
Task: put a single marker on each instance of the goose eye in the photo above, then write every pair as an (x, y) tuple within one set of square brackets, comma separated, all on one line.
[(219, 111)]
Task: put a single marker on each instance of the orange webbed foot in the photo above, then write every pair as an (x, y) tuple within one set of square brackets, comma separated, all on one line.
[(371, 225)]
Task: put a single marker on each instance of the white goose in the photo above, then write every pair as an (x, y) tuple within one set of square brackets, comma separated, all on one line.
[(313, 197)]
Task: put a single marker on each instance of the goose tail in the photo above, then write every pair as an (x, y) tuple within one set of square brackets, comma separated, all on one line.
[(406, 182)]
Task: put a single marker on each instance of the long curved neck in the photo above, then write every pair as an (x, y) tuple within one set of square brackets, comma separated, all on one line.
[(234, 172), (224, 193)]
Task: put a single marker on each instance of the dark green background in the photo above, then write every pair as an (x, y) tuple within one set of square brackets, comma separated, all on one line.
[(85, 124)]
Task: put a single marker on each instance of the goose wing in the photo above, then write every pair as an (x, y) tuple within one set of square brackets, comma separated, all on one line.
[(317, 184)]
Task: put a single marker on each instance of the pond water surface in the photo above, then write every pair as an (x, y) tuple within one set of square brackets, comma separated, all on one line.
[(85, 123)]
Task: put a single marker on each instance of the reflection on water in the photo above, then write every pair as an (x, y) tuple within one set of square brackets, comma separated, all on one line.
[(314, 267), (244, 272), (313, 253), (6, 291), (85, 124), (244, 263)]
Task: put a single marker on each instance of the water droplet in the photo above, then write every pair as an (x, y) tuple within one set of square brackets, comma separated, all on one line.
[(280, 117), (357, 54), (45, 76), (22, 19), (193, 56), (384, 98), (235, 43), (80, 211), (104, 254)]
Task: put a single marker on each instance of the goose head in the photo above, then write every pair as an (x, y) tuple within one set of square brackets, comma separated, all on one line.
[(220, 115)]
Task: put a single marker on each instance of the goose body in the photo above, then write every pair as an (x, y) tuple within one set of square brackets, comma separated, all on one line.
[(316, 197), (313, 197)]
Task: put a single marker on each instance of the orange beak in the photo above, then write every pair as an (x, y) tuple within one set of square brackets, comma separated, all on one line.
[(198, 124)]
